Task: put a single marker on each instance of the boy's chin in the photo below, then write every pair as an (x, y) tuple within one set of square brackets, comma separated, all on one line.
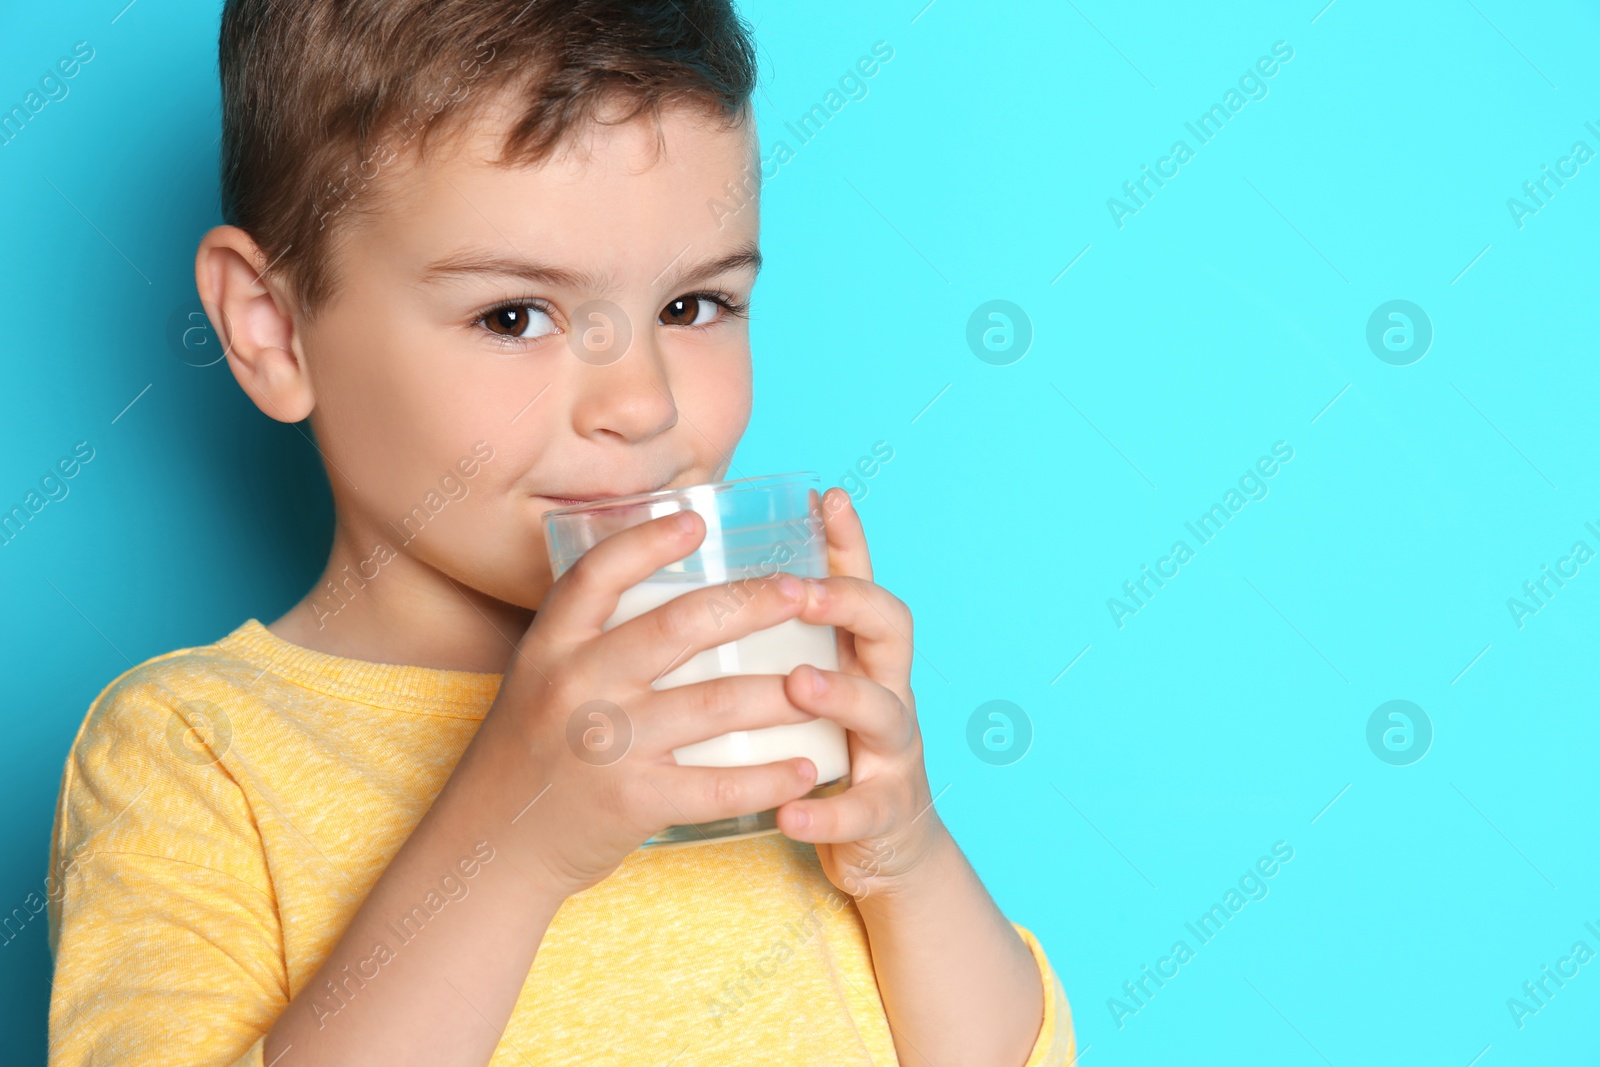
[(528, 596), (525, 597)]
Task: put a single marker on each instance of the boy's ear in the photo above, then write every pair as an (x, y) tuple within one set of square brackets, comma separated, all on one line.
[(256, 323)]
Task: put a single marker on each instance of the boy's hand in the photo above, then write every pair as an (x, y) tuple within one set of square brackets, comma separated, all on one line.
[(873, 834), (591, 741)]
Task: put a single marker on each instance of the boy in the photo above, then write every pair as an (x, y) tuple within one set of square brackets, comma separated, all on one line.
[(470, 241)]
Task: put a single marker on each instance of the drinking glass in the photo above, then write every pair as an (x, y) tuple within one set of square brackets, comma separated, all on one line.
[(755, 528)]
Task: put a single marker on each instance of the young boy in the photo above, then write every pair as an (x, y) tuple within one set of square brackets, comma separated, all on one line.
[(477, 244)]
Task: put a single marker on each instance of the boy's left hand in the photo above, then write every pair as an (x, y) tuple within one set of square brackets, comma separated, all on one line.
[(873, 834)]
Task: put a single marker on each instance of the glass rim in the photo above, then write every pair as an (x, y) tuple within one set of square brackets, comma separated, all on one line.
[(732, 485)]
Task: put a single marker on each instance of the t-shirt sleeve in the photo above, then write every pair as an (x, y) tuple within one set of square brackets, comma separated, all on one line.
[(163, 925), (1055, 1046)]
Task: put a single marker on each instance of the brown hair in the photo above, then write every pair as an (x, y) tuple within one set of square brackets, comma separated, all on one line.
[(319, 95)]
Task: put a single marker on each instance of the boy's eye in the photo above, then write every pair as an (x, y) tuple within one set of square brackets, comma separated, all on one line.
[(692, 310), (522, 321)]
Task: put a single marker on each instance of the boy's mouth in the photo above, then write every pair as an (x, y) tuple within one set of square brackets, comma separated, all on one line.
[(590, 498)]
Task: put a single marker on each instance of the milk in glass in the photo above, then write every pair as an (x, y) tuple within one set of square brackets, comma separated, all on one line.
[(775, 650)]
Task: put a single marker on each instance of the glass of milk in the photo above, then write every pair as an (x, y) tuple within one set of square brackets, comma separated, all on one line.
[(755, 528)]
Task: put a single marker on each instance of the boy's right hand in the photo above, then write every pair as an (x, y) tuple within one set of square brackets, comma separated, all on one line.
[(596, 739)]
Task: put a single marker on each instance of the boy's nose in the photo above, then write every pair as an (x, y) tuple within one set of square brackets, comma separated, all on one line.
[(625, 395)]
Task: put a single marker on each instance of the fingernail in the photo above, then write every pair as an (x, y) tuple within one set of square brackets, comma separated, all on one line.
[(819, 681), (819, 591), (684, 522), (789, 587), (808, 769), (802, 819)]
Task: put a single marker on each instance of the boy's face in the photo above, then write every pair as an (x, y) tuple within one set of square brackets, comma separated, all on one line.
[(550, 313)]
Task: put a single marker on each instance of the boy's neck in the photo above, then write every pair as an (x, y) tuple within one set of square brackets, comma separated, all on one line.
[(407, 613)]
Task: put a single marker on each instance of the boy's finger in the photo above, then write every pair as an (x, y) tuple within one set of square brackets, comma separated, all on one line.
[(873, 713), (847, 541), (686, 714), (863, 811), (583, 598), (879, 622), (665, 637), (705, 794)]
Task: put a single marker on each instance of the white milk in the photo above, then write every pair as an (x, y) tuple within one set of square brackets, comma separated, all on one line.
[(776, 650)]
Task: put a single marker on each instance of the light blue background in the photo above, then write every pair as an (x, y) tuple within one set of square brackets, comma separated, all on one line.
[(1228, 314)]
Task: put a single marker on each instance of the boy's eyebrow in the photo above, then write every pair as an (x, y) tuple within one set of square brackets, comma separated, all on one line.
[(471, 262)]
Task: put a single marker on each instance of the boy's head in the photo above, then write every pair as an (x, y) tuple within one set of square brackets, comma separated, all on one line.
[(498, 252)]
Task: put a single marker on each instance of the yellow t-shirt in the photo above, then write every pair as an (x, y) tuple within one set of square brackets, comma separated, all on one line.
[(203, 866)]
